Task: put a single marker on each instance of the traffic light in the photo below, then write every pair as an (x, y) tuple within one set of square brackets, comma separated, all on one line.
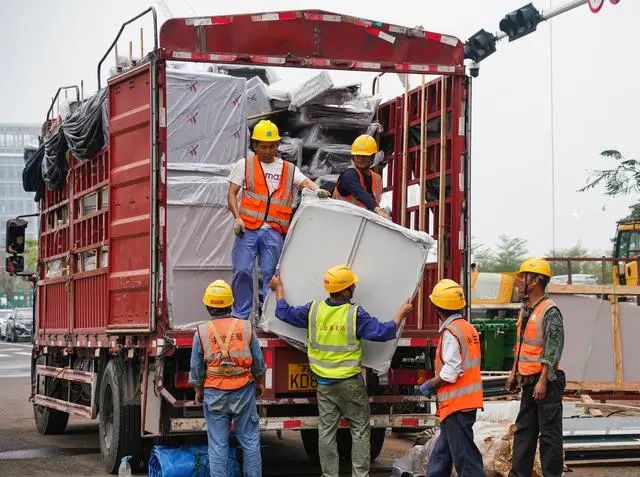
[(479, 46), (521, 22)]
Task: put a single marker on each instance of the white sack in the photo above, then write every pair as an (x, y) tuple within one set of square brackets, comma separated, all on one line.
[(387, 258)]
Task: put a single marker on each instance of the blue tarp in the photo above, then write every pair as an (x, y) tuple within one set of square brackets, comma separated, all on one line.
[(186, 461)]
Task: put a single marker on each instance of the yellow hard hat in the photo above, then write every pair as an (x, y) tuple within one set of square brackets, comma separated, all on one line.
[(536, 265), (448, 295), (265, 131), (218, 295), (364, 145), (339, 278)]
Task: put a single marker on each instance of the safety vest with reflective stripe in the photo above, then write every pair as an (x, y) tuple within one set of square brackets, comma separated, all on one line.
[(530, 349), (466, 392), (258, 206), (227, 352), (376, 188), (334, 349)]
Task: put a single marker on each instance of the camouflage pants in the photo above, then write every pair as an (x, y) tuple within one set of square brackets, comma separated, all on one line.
[(346, 399)]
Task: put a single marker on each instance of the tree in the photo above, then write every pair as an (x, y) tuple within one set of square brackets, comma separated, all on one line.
[(482, 255), (510, 253), (622, 179), (589, 268)]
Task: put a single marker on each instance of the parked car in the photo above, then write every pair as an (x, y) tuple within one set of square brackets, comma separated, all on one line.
[(576, 279), (19, 324), (5, 313)]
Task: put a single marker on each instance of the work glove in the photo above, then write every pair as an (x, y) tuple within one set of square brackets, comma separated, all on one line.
[(427, 389), (323, 194), (238, 227)]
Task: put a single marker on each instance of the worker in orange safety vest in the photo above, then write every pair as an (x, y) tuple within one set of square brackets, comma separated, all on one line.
[(537, 353), (227, 370), (261, 220), (359, 185), (457, 385)]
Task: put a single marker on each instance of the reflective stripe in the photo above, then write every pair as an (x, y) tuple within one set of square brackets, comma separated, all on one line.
[(334, 364), (471, 388), (254, 195), (251, 213), (530, 359), (532, 342), (288, 183), (232, 354), (470, 363), (248, 173), (351, 341), (204, 341)]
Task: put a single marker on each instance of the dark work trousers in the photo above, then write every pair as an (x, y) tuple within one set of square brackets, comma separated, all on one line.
[(542, 418), (455, 448)]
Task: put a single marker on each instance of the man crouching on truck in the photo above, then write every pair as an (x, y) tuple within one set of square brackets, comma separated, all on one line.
[(457, 386), (263, 218), (336, 330), (227, 369)]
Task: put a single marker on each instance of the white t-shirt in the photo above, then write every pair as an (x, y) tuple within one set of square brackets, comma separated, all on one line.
[(272, 172)]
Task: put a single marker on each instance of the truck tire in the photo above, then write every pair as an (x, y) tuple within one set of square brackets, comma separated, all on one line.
[(119, 425), (48, 421), (310, 443)]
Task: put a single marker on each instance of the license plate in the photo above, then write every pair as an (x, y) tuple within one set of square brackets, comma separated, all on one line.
[(301, 378)]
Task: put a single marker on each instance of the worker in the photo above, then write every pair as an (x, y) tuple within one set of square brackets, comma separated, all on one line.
[(227, 370), (457, 386), (263, 218), (336, 328), (360, 185), (540, 340)]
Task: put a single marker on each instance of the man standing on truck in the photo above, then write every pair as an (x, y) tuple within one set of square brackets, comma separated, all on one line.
[(360, 185), (540, 340), (336, 328), (227, 369), (263, 218), (457, 385)]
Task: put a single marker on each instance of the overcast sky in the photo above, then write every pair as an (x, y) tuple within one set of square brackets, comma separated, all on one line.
[(48, 43)]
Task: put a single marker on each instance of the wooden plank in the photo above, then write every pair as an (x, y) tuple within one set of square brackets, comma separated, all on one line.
[(586, 399), (597, 386), (617, 340), (610, 407), (593, 289)]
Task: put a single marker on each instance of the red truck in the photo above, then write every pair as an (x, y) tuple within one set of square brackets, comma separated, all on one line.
[(103, 345)]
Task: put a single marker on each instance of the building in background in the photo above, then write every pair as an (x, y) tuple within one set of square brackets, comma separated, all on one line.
[(14, 200)]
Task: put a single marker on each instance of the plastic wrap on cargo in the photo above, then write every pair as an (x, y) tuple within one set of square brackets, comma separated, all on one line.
[(267, 75), (220, 170), (290, 149), (364, 244), (32, 173), (206, 118), (54, 163), (84, 129), (328, 182), (358, 112), (199, 241), (187, 461), (328, 159), (337, 95), (257, 99), (310, 89)]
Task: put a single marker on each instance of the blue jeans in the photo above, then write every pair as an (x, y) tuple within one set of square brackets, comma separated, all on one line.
[(266, 245), (455, 447), (221, 408)]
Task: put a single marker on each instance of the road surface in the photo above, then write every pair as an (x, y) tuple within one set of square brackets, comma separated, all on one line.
[(25, 453)]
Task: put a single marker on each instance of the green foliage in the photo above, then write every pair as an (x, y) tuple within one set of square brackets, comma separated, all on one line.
[(604, 275), (509, 253)]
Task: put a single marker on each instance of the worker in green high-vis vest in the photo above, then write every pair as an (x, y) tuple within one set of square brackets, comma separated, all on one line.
[(336, 328)]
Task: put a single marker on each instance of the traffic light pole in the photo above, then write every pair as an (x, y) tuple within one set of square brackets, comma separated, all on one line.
[(550, 13)]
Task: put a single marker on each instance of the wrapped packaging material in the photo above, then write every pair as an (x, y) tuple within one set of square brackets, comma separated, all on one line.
[(363, 243), (328, 182), (358, 112), (206, 118), (266, 75), (257, 100), (54, 163), (290, 149), (337, 95), (189, 460), (84, 129), (199, 242), (309, 90), (328, 160), (32, 180)]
